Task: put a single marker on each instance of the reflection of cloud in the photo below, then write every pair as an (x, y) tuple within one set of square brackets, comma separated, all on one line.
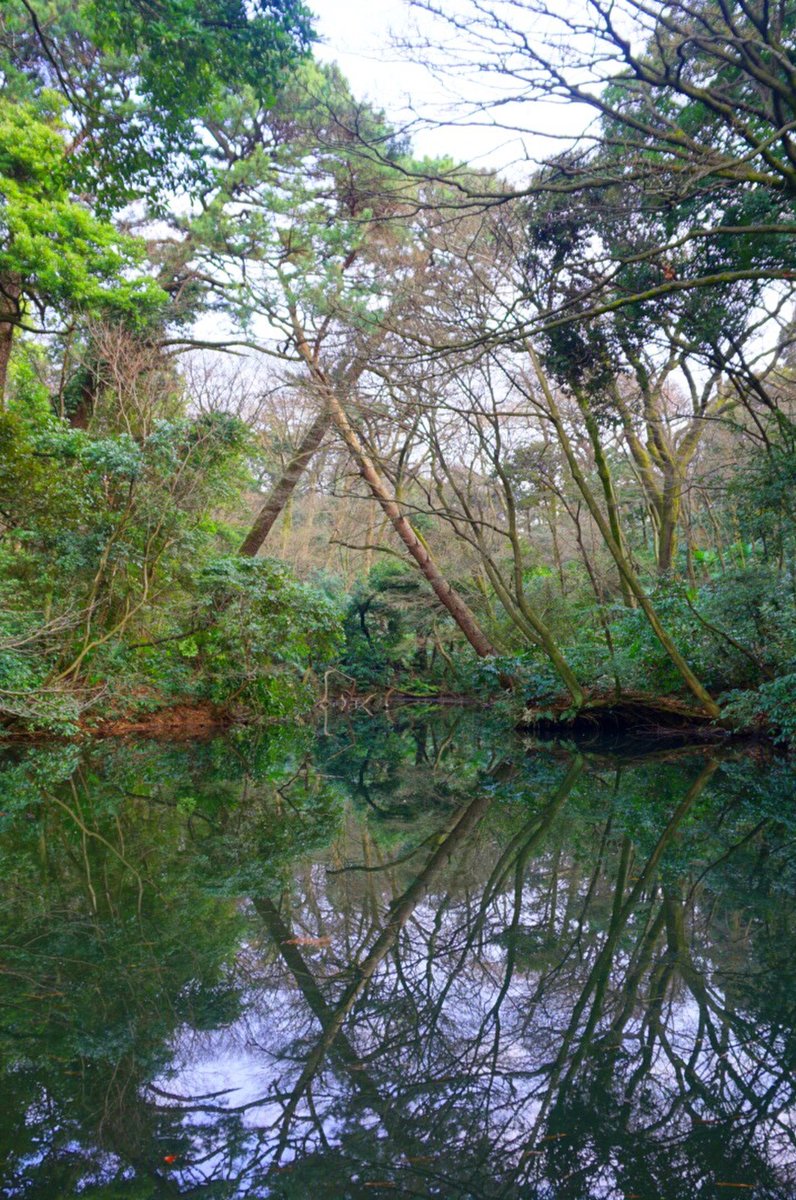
[(464, 1021)]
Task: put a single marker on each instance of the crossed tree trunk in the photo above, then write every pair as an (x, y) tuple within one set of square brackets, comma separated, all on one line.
[(333, 414), (443, 590)]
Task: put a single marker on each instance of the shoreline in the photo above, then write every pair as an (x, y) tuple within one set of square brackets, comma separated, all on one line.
[(639, 716)]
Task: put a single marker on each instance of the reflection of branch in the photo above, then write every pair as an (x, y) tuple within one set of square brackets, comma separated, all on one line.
[(294, 960), (597, 979), (383, 866), (92, 833), (393, 1044), (399, 913), (513, 858)]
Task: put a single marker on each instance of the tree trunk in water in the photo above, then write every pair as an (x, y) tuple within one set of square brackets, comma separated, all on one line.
[(283, 489)]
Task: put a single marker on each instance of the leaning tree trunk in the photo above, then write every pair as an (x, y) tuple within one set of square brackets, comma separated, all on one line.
[(6, 341), (617, 551), (443, 590), (9, 317), (284, 487)]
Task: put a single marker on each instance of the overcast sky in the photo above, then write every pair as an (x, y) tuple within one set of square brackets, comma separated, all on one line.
[(359, 35)]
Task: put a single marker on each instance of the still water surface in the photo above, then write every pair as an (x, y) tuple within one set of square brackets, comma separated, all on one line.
[(412, 958)]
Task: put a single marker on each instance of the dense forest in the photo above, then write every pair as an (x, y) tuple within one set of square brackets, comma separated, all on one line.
[(288, 411)]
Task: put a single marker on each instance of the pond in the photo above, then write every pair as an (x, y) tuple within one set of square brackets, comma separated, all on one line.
[(418, 956)]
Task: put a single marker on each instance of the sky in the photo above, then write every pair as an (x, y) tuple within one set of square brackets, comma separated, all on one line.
[(360, 36)]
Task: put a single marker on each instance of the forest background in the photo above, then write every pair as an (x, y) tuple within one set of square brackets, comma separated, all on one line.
[(288, 408)]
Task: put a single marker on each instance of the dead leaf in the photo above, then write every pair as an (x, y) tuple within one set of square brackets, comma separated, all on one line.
[(308, 941)]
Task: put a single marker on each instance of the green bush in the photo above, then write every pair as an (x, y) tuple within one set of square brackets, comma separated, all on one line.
[(772, 708)]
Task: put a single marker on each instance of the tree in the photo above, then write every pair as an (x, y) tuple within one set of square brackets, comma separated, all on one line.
[(312, 219), (55, 257), (690, 159), (136, 77)]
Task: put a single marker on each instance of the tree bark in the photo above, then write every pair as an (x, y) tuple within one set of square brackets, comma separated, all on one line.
[(284, 487), (670, 514), (6, 341), (9, 318), (609, 493)]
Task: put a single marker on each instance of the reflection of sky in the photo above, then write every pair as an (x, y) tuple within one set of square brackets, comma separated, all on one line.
[(426, 1028)]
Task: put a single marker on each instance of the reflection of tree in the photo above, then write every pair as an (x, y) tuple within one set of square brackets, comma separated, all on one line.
[(448, 1047), (111, 940), (399, 913), (547, 970)]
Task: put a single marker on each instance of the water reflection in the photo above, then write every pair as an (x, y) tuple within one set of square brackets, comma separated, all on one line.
[(414, 959)]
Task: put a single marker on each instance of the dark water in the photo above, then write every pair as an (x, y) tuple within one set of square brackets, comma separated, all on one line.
[(411, 959)]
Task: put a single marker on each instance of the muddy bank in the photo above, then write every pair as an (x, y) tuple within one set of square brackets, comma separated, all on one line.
[(173, 722)]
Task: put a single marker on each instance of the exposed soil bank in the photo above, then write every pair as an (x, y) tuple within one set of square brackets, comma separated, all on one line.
[(175, 722)]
